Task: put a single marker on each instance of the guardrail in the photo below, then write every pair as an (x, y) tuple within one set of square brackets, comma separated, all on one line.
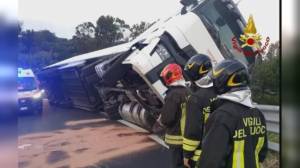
[(273, 123)]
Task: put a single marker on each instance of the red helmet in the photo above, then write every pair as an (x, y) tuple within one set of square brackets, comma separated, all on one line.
[(171, 73)]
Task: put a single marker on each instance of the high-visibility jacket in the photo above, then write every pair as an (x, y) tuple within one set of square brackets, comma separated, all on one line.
[(235, 137), (197, 112), (171, 115)]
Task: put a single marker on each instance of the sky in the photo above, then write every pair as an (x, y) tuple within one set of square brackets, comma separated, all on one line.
[(62, 16), (9, 8)]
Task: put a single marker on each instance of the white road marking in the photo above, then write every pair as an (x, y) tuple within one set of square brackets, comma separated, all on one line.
[(159, 140), (90, 121), (133, 126), (152, 136)]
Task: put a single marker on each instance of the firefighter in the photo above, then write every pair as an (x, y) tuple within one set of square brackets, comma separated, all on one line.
[(171, 111), (197, 107), (235, 133)]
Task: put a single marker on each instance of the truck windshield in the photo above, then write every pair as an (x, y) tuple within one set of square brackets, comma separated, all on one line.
[(224, 22), (26, 84)]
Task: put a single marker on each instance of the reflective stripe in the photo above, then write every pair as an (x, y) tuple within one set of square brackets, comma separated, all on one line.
[(173, 139), (183, 118), (198, 152), (189, 147), (196, 156), (173, 142), (259, 145), (238, 154), (191, 142), (206, 115), (206, 112)]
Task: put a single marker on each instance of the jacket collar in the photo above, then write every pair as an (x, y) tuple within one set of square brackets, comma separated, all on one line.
[(204, 82), (242, 97), (179, 83)]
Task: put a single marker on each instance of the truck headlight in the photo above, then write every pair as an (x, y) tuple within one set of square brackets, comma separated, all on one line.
[(38, 94)]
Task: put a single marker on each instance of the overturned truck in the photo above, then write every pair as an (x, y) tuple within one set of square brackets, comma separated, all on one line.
[(123, 81)]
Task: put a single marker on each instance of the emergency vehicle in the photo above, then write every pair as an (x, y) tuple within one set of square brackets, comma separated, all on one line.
[(30, 97)]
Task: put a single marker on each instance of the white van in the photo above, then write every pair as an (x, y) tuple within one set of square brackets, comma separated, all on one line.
[(30, 97)]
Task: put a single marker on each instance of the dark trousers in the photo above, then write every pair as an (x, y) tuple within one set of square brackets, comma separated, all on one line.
[(176, 156), (192, 163)]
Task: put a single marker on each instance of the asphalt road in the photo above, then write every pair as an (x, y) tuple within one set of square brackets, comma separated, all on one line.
[(67, 138)]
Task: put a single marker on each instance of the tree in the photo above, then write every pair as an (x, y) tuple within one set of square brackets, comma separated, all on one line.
[(122, 23), (273, 51), (265, 77), (138, 29), (109, 31), (84, 30), (84, 39), (124, 29), (27, 41), (38, 49), (82, 45)]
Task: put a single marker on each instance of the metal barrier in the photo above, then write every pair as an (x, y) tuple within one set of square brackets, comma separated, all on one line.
[(271, 114)]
